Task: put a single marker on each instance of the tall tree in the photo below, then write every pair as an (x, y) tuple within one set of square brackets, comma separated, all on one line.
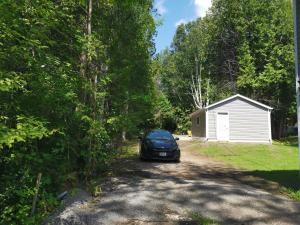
[(67, 69), (242, 46)]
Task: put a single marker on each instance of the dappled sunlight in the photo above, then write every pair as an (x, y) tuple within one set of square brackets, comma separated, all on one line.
[(276, 163), (146, 192)]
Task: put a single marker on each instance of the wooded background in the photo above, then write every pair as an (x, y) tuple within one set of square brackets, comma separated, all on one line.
[(243, 47)]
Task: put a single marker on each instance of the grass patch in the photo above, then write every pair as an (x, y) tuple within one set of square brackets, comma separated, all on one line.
[(277, 162), (292, 193), (128, 150), (201, 220)]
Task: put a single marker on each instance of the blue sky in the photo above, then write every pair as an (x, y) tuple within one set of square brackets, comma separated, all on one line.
[(174, 12)]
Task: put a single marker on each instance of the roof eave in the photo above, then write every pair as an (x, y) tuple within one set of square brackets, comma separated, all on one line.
[(197, 111), (241, 96)]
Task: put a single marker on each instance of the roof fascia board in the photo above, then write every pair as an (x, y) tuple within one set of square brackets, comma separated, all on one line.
[(241, 96)]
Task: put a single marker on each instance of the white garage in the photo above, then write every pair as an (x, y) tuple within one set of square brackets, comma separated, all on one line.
[(234, 119)]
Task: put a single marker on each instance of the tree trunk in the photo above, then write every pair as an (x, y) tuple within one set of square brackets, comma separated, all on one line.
[(89, 17), (124, 129), (196, 86), (198, 75), (37, 186), (83, 56), (279, 126), (207, 92)]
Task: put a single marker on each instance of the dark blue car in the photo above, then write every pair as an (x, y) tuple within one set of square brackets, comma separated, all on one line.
[(159, 144)]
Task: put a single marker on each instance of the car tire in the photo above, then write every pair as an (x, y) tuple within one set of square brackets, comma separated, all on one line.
[(177, 160)]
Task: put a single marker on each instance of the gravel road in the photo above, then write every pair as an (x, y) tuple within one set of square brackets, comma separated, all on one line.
[(167, 193)]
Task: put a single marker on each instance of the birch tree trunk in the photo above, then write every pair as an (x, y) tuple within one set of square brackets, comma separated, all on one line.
[(126, 107), (196, 87), (207, 92), (89, 17)]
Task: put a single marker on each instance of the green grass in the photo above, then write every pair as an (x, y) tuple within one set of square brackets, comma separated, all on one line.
[(277, 162), (128, 150), (201, 220)]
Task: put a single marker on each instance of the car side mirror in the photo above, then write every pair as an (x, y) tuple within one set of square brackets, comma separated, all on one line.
[(177, 139)]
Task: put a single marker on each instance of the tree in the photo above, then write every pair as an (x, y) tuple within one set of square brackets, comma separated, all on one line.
[(196, 86), (67, 71), (242, 46)]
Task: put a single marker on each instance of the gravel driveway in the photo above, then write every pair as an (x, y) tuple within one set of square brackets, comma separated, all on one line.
[(167, 193)]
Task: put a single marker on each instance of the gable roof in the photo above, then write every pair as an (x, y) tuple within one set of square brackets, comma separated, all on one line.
[(196, 112), (242, 97)]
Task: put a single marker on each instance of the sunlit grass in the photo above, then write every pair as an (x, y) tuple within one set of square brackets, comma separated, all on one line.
[(201, 220), (255, 156), (128, 149), (277, 162)]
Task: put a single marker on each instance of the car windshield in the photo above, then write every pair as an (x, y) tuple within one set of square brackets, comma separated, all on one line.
[(160, 135)]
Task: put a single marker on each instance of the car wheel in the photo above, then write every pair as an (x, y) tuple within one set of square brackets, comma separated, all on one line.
[(141, 158), (177, 160)]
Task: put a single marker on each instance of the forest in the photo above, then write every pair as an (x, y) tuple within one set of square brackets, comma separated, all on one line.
[(243, 47), (80, 77)]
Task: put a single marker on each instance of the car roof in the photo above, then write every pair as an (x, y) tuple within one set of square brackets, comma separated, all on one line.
[(159, 130)]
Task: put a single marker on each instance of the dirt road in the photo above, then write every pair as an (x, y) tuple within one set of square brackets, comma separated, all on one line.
[(167, 193)]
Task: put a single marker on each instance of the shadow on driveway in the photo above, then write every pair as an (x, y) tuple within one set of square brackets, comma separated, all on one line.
[(155, 192), (167, 193)]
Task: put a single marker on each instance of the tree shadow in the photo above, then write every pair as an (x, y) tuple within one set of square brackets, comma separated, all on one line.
[(286, 178), (216, 192), (290, 141), (149, 192)]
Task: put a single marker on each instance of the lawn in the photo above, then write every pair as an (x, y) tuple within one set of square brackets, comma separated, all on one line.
[(128, 150), (277, 162)]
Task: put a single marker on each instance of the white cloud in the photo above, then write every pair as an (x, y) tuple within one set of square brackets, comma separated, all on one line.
[(201, 7), (159, 5), (181, 21)]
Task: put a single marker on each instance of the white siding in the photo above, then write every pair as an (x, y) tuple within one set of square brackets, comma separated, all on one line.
[(247, 121), (212, 125)]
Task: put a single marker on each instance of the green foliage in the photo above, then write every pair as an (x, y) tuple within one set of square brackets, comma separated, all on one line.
[(26, 128), (131, 87), (183, 120), (243, 47), (168, 115), (67, 94), (164, 111)]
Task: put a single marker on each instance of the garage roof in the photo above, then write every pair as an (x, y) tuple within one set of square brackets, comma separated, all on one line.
[(242, 97)]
